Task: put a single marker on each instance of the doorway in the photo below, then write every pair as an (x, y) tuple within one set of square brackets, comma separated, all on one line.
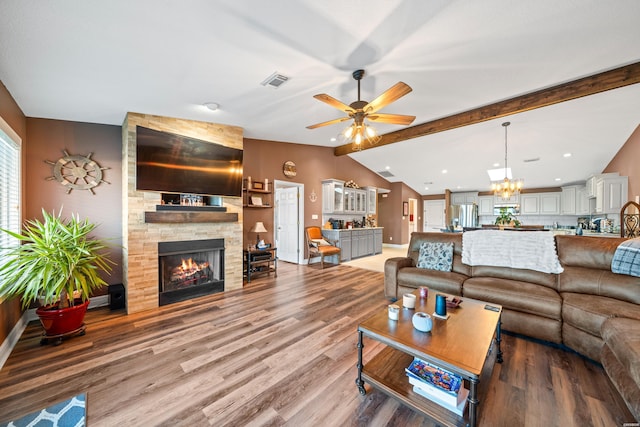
[(413, 216), (288, 227)]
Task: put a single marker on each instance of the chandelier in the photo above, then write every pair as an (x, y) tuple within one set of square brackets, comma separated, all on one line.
[(359, 133), (506, 188)]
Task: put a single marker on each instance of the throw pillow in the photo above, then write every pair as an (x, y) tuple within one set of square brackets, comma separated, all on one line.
[(436, 256), (321, 242)]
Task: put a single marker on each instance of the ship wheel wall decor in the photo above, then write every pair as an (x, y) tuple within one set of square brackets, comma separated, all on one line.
[(77, 172)]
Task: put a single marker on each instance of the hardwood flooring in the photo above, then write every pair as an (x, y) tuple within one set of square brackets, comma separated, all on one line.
[(281, 351)]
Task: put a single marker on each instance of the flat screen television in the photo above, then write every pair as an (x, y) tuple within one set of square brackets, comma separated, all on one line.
[(171, 163)]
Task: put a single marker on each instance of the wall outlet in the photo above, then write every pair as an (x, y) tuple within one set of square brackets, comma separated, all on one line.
[(314, 216)]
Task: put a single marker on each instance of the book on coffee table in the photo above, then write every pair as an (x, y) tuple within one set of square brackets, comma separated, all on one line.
[(434, 376)]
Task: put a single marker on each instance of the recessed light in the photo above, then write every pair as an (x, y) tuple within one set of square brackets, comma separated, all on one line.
[(558, 179), (444, 171), (566, 155), (387, 167), (213, 106), (426, 188), (333, 139), (495, 165)]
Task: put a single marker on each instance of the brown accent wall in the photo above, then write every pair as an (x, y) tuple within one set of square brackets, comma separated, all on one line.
[(264, 159), (625, 162), (47, 141), (11, 113), (396, 226)]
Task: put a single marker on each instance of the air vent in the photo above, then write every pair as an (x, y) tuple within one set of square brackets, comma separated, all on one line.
[(275, 80), (535, 159), (386, 174)]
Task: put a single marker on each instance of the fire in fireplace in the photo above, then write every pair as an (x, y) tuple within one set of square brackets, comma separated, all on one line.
[(190, 269)]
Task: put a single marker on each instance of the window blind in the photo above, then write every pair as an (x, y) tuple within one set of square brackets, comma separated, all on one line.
[(9, 190)]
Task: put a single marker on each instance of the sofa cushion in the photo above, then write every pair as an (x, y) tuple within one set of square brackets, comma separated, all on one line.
[(583, 342), (599, 282), (515, 295), (588, 312), (550, 280), (622, 336), (449, 282), (436, 256)]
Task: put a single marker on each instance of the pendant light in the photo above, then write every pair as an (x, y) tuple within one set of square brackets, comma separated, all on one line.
[(507, 188)]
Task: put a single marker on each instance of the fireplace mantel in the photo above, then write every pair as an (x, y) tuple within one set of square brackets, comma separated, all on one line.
[(169, 217)]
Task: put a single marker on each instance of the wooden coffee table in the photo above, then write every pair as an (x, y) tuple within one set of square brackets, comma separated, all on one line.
[(467, 344)]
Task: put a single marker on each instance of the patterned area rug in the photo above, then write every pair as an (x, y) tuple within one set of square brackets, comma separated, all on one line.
[(70, 413)]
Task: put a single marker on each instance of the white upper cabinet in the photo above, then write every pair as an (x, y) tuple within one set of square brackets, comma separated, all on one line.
[(540, 204), (464, 198), (485, 205)]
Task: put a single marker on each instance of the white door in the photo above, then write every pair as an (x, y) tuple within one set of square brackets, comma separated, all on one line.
[(287, 233), (433, 215)]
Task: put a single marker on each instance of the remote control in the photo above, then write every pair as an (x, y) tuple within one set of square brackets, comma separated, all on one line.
[(492, 308)]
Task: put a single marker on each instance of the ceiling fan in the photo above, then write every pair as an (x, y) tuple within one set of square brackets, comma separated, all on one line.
[(360, 110)]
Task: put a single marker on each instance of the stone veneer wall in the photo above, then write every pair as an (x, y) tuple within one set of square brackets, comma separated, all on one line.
[(140, 240)]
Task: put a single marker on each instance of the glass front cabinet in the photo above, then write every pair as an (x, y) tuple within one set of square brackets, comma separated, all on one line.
[(333, 196)]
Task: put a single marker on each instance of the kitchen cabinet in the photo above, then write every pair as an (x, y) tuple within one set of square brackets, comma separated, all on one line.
[(513, 200), (574, 200), (342, 239), (540, 204), (583, 203), (377, 240), (611, 194), (355, 201), (332, 196), (529, 204), (372, 200), (549, 203), (485, 205), (464, 197), (356, 242), (568, 200)]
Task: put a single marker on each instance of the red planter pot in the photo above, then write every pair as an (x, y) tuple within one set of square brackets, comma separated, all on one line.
[(62, 321)]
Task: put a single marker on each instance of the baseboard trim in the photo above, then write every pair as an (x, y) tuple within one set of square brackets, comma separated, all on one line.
[(12, 339)]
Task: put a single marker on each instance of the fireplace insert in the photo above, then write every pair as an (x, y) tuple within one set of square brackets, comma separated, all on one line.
[(189, 269)]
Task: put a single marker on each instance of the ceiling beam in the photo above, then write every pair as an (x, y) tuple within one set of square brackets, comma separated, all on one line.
[(597, 83)]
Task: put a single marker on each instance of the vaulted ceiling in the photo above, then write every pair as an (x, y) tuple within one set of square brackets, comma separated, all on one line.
[(93, 61)]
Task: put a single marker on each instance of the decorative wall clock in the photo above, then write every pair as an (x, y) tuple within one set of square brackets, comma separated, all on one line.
[(289, 169), (76, 172)]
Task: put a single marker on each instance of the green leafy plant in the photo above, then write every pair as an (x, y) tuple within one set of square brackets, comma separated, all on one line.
[(506, 218), (56, 262)]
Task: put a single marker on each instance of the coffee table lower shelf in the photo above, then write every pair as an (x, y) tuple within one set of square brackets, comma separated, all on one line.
[(385, 372)]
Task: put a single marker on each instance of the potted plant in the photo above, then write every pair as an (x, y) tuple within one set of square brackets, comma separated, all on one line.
[(58, 265), (506, 219)]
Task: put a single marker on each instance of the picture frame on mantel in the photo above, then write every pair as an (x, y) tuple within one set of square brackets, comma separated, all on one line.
[(258, 186), (405, 208)]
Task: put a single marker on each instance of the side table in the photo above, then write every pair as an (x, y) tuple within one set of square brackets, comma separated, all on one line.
[(257, 261)]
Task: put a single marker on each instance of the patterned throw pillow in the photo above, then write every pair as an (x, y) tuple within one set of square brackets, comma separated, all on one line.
[(436, 256)]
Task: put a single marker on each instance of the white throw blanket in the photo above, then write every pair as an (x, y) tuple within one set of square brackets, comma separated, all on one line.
[(532, 250)]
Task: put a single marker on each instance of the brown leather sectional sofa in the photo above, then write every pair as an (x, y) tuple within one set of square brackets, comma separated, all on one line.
[(586, 307)]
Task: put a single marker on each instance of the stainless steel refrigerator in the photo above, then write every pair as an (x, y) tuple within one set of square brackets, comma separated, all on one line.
[(465, 215)]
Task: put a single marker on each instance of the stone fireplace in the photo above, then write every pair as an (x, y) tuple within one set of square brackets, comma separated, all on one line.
[(146, 230)]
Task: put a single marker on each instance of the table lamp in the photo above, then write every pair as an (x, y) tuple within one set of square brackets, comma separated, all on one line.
[(258, 228)]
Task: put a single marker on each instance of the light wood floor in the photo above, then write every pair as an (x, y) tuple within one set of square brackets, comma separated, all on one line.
[(279, 352)]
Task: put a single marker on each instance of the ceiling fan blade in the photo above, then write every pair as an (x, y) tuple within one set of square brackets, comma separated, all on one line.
[(395, 92), (395, 119), (333, 102), (330, 122)]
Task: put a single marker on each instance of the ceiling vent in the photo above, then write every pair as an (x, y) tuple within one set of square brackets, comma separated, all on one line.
[(385, 174), (535, 159), (274, 80)]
